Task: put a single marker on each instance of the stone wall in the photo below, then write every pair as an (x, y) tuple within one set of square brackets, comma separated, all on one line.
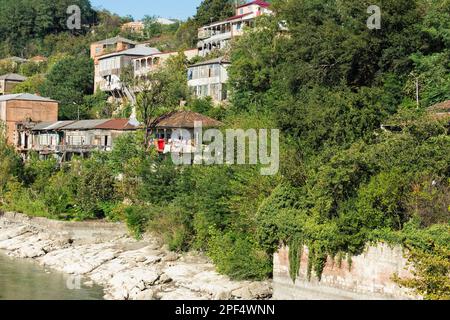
[(369, 277), (86, 232)]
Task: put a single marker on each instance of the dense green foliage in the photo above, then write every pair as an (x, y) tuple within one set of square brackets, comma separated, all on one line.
[(25, 23), (329, 83)]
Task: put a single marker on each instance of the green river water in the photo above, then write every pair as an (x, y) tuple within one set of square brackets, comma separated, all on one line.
[(23, 279)]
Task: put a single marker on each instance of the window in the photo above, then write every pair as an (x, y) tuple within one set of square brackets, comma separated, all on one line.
[(241, 11)]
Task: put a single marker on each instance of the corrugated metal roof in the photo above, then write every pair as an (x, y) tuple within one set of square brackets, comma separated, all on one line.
[(84, 124), (25, 96), (116, 40), (16, 59), (116, 124), (212, 61), (140, 50), (55, 125), (13, 77)]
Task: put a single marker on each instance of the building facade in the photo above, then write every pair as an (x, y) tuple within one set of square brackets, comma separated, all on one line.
[(217, 35), (24, 107), (133, 27), (111, 67), (64, 139), (9, 81), (144, 65), (104, 47), (167, 136), (209, 79)]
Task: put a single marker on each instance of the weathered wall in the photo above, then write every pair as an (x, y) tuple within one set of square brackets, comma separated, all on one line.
[(368, 278), (21, 110), (86, 232)]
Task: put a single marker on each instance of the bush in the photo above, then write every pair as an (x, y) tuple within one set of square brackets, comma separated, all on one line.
[(137, 219), (238, 255), (95, 186), (173, 224)]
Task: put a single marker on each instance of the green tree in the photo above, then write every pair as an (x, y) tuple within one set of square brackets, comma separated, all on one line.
[(67, 81), (214, 10)]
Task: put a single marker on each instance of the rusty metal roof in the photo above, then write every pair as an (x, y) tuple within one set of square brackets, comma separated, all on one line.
[(441, 107), (185, 119), (116, 124)]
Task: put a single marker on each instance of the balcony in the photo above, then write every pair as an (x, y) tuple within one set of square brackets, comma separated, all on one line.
[(110, 86)]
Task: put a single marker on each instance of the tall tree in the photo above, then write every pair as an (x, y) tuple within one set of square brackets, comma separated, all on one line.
[(68, 81), (214, 10)]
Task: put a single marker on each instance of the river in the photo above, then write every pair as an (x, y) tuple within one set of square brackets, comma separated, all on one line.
[(22, 279)]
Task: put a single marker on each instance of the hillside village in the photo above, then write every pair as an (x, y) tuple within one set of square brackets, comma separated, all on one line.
[(89, 117), (32, 121)]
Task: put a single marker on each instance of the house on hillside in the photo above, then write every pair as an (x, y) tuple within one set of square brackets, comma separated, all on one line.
[(209, 79), (144, 65), (165, 137), (14, 61), (42, 137), (84, 136), (133, 27), (24, 107), (217, 35), (107, 46), (64, 139), (9, 81), (38, 59), (111, 67), (441, 110)]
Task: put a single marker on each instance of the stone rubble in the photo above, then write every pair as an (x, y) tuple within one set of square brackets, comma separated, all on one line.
[(128, 269)]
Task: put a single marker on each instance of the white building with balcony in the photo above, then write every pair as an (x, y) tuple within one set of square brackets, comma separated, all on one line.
[(209, 79), (217, 35)]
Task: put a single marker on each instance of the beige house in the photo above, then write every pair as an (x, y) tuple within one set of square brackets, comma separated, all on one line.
[(18, 108), (9, 81), (217, 35), (111, 67), (105, 47), (133, 27)]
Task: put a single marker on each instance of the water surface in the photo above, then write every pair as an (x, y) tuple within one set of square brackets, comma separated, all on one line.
[(24, 279)]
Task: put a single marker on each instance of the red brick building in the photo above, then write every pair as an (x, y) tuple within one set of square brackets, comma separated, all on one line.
[(18, 108)]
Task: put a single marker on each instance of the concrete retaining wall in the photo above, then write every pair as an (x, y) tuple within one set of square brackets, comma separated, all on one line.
[(86, 232), (368, 278)]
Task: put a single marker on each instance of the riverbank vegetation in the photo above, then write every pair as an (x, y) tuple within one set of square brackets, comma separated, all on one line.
[(329, 83)]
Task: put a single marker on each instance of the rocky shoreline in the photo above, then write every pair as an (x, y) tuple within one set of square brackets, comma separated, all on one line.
[(127, 269)]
